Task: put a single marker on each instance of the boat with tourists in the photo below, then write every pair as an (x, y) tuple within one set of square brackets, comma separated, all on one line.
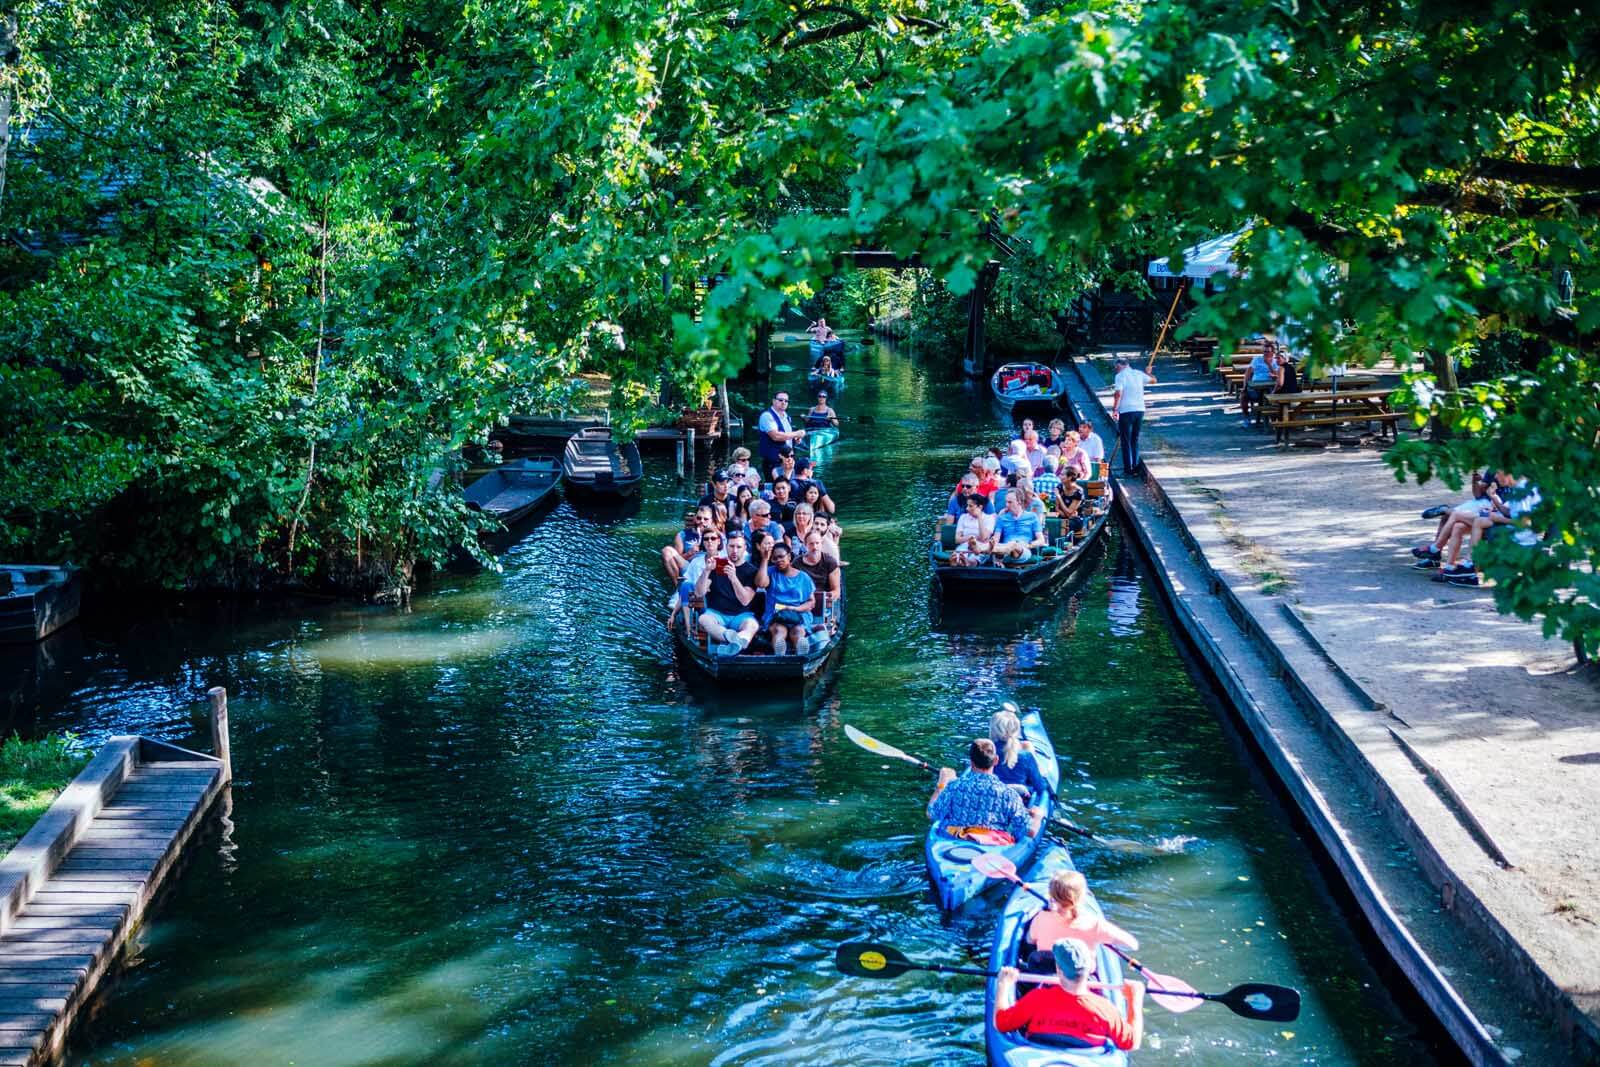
[(760, 662), (833, 349), (1028, 384), (1016, 1049), (833, 379), (595, 465), (1062, 556), (951, 873), (516, 489)]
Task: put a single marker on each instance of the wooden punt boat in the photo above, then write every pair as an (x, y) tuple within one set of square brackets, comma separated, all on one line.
[(757, 663), (1013, 1049), (515, 490), (36, 600), (595, 465), (1028, 384), (949, 859), (1003, 580)]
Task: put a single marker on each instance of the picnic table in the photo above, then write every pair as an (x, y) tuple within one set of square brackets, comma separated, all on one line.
[(1319, 407)]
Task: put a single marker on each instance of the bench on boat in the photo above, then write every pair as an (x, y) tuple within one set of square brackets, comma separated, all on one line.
[(828, 620), (1061, 542)]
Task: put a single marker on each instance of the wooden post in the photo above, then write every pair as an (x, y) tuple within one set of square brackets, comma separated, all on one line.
[(219, 730), (688, 450), (680, 457), (727, 412)]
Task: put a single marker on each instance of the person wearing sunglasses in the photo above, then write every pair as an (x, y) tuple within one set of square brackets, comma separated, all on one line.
[(776, 430)]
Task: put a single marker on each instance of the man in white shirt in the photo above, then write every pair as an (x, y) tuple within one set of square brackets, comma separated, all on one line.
[(1127, 408)]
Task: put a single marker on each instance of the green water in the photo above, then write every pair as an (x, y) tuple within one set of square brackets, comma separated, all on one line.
[(501, 828)]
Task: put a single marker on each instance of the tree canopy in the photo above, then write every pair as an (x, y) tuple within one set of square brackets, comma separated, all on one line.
[(265, 263)]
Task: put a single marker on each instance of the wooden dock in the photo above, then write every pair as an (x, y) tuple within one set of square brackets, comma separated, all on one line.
[(80, 882)]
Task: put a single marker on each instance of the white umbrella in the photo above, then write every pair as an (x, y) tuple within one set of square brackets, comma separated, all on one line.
[(1204, 259)]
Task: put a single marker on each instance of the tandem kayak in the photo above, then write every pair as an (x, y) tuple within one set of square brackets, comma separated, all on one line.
[(834, 350), (833, 381), (950, 859), (1013, 1049)]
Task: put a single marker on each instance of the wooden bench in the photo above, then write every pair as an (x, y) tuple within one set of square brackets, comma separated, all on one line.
[(1324, 408)]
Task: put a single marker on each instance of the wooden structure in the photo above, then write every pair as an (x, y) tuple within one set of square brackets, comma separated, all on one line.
[(596, 465), (1332, 408), (78, 884), (36, 601)]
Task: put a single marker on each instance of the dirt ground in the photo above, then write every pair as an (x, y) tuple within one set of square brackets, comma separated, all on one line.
[(1508, 718)]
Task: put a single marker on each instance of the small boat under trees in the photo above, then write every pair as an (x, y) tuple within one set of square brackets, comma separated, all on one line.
[(595, 465), (36, 600), (1027, 384), (513, 491)]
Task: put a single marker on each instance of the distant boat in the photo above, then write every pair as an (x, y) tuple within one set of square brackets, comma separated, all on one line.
[(515, 490), (36, 600), (835, 380), (1029, 384), (596, 465)]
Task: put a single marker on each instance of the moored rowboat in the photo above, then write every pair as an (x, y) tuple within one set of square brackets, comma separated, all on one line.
[(595, 464), (949, 859), (1027, 383), (515, 490), (1013, 1049)]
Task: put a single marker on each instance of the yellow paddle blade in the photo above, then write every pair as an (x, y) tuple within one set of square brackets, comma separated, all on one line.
[(872, 744)]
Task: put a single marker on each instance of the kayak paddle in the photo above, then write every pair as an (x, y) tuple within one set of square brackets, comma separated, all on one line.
[(882, 748), (1252, 1000), (871, 959)]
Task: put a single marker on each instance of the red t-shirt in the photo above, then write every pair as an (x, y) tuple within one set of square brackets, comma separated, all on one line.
[(1050, 1009)]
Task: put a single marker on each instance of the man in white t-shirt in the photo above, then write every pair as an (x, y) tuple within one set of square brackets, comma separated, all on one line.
[(1127, 408), (1091, 443)]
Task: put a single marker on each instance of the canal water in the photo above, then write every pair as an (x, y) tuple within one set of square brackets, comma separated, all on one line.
[(502, 828)]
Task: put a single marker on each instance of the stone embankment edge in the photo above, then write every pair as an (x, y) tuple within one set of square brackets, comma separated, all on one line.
[(32, 861), (1430, 984)]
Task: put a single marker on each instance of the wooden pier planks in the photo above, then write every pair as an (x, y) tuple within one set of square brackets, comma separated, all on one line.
[(61, 942)]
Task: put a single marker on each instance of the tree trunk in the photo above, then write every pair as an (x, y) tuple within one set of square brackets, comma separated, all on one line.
[(9, 57), (1444, 375)]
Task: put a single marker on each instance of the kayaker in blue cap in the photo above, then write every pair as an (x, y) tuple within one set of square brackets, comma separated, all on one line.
[(1069, 1009)]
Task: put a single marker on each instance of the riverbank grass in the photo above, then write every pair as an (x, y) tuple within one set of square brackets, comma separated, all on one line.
[(32, 775)]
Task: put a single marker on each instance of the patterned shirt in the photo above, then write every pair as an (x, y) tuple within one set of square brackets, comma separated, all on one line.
[(1046, 485), (977, 799)]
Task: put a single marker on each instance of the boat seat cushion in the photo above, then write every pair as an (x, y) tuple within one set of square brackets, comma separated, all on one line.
[(947, 536)]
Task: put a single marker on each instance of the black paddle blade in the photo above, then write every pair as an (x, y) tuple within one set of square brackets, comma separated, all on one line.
[(867, 959), (1257, 1000)]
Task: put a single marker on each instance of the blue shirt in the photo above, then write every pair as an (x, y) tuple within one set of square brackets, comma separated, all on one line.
[(1025, 773), (1024, 527), (977, 799), (796, 588)]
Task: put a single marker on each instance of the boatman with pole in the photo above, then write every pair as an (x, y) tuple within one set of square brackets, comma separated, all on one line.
[(1127, 409), (776, 431)]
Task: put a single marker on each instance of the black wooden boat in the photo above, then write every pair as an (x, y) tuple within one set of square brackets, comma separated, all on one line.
[(596, 465), (1007, 580), (515, 490), (36, 600), (757, 663)]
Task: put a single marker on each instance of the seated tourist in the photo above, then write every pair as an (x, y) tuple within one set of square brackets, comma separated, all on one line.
[(828, 527), (1017, 531), (977, 799), (990, 481), (1520, 499), (686, 542), (1287, 379), (1069, 1009), (1030, 499), (804, 478), (974, 532), (1072, 503), (823, 568), (1484, 493), (1016, 767), (1090, 442), (743, 497), (1033, 450), (804, 518), (1055, 433), (740, 465), (727, 585), (1065, 917), (1047, 483), (824, 367), (1016, 461), (782, 502), (1258, 382), (721, 487), (761, 520), (957, 505), (1075, 456), (791, 602), (821, 415), (710, 548), (785, 465)]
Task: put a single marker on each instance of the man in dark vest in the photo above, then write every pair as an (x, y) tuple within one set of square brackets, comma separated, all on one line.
[(776, 430)]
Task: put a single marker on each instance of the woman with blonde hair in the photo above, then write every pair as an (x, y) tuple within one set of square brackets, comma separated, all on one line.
[(1065, 918), (1017, 767)]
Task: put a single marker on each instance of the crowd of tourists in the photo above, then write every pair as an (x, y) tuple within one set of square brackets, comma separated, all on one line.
[(1000, 505), (757, 562), (999, 793), (1501, 505)]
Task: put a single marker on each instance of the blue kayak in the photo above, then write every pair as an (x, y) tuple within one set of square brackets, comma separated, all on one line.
[(833, 349), (950, 858), (1013, 1049)]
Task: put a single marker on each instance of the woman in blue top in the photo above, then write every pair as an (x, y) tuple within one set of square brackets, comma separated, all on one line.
[(791, 597), (1017, 767)]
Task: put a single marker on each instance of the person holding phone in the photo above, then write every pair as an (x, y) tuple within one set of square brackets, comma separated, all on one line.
[(728, 586)]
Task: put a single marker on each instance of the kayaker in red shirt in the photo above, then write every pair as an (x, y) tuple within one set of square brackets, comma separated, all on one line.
[(1069, 1009)]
